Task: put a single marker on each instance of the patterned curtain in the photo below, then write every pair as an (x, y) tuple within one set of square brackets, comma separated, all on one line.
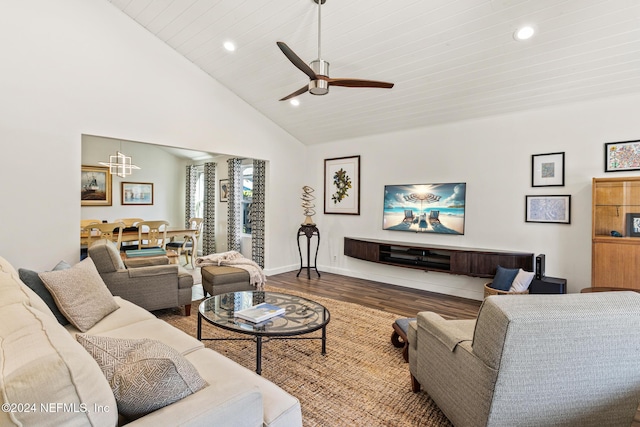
[(190, 194), (209, 223), (234, 205), (257, 212)]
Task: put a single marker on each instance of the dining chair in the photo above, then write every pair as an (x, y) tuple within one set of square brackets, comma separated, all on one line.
[(130, 225), (129, 222), (104, 231), (186, 246), (85, 222), (155, 234)]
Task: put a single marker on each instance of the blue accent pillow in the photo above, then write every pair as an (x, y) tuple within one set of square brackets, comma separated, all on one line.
[(32, 280), (504, 277)]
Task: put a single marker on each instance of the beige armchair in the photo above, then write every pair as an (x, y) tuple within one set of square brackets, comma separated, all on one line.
[(533, 360), (151, 283)]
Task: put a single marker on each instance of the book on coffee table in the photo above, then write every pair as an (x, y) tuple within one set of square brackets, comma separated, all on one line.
[(259, 313)]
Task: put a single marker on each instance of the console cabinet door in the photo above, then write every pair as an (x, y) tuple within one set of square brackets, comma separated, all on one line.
[(616, 265), (362, 250)]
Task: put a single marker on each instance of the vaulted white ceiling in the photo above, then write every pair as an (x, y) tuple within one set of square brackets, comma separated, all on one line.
[(450, 60)]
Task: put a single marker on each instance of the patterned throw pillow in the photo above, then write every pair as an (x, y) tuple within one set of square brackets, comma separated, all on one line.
[(80, 294), (144, 374)]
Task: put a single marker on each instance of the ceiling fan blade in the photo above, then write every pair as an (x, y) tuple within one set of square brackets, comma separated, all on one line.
[(300, 91), (295, 60), (359, 83)]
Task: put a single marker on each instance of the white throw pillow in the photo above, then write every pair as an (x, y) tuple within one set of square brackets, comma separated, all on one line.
[(522, 281)]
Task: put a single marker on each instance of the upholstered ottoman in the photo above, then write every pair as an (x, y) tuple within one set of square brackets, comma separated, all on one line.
[(218, 279), (399, 336)]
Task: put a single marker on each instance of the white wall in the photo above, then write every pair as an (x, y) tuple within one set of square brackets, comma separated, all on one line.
[(74, 67), (493, 156), (164, 170)]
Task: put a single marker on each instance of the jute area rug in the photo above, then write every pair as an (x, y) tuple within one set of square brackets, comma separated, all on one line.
[(361, 381)]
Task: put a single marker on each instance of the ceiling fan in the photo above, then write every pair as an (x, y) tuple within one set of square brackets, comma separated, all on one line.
[(318, 71)]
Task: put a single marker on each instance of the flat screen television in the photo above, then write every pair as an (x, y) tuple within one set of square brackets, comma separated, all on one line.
[(425, 208)]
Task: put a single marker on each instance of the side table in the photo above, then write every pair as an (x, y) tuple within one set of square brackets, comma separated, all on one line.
[(548, 285), (308, 230)]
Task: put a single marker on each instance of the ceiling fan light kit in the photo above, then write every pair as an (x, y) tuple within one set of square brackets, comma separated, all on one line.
[(318, 70)]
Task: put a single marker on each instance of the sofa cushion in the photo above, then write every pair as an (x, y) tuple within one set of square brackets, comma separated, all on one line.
[(41, 364), (144, 374), (280, 408), (80, 294), (33, 281), (504, 278)]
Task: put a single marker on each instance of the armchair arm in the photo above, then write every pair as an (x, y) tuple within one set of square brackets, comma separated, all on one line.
[(444, 363), (449, 332)]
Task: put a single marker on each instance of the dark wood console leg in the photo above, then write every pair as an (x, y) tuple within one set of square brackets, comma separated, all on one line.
[(415, 385), (187, 310)]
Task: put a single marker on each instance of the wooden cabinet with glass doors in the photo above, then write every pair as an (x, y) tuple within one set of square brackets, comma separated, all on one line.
[(616, 233)]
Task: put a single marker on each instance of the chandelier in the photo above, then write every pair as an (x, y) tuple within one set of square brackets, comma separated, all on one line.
[(120, 165)]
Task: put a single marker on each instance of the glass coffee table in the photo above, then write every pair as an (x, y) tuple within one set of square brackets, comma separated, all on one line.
[(301, 317)]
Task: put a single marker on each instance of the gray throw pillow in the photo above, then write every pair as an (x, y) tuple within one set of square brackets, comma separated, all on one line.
[(33, 281), (80, 294)]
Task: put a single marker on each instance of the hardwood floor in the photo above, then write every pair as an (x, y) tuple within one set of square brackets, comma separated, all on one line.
[(394, 299)]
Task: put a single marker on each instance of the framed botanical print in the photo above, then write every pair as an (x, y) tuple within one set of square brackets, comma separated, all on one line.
[(342, 185), (95, 186)]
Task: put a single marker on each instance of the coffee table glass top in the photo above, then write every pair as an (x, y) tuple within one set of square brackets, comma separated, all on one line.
[(301, 315)]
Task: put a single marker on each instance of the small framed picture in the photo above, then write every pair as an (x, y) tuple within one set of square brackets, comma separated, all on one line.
[(547, 170), (137, 193), (622, 156), (95, 189), (633, 225), (342, 185), (551, 209), (224, 190)]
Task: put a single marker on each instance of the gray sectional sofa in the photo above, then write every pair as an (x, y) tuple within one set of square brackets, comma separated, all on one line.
[(49, 379)]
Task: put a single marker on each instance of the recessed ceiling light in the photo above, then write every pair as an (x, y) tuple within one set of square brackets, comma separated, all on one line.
[(230, 46), (524, 33), (294, 102)]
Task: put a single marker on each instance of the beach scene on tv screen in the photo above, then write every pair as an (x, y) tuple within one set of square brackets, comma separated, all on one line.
[(425, 208)]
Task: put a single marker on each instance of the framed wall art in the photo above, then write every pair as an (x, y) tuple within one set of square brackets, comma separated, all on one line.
[(342, 185), (224, 190), (633, 225), (622, 156), (547, 170), (95, 187), (552, 209), (137, 193)]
